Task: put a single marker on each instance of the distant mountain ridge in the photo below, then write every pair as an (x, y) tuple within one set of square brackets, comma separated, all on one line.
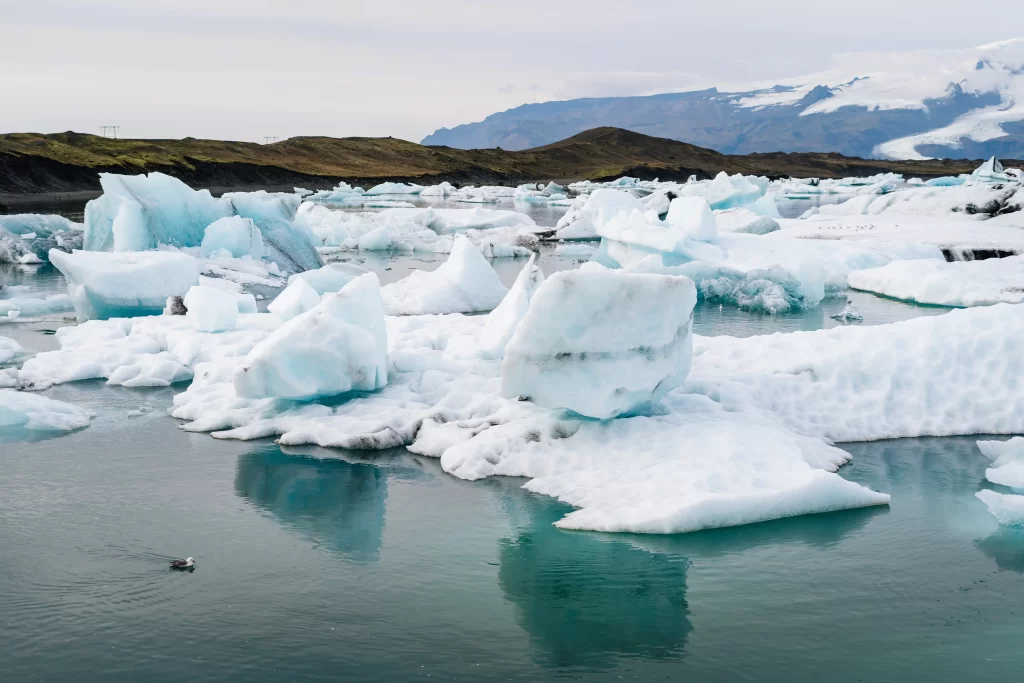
[(961, 104), (31, 164)]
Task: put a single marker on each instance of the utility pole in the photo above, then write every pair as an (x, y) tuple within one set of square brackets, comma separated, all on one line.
[(267, 139), (109, 131)]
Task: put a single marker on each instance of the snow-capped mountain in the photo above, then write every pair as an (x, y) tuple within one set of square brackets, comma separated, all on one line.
[(965, 103)]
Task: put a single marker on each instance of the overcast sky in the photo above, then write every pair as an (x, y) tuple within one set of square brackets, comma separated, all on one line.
[(245, 69)]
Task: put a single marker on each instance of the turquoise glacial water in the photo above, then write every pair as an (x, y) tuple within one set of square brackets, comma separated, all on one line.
[(317, 565)]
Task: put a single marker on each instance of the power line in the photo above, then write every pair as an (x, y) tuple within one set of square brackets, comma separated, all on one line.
[(267, 139), (109, 131)]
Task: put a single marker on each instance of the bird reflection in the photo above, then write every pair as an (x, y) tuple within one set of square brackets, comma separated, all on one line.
[(337, 504)]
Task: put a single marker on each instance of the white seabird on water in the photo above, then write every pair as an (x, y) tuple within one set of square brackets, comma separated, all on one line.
[(187, 563)]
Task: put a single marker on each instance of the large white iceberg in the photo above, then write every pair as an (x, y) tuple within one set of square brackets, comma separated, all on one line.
[(124, 284), (465, 283), (957, 373), (935, 282), (601, 343), (137, 213), (337, 347), (297, 298), (23, 410)]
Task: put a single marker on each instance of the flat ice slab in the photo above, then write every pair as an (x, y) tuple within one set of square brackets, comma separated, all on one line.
[(1007, 462), (1008, 508), (124, 284), (38, 413), (957, 283), (601, 343), (957, 373)]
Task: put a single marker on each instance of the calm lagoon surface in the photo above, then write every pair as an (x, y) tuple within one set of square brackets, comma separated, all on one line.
[(316, 564)]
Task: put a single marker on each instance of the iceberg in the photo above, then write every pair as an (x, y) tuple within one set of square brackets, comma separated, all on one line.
[(153, 209), (602, 206), (746, 221), (692, 216), (601, 344), (9, 350), (235, 235), (1007, 462), (297, 298), (956, 373), (939, 283), (1008, 508), (501, 323), (23, 236), (330, 278), (137, 213), (395, 188), (445, 189), (695, 467), (288, 244), (465, 283), (19, 409), (337, 347), (124, 284), (211, 309)]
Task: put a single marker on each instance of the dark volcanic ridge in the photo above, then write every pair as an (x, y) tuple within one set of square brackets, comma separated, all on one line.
[(66, 163)]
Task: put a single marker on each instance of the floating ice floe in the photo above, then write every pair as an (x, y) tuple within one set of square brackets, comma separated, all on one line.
[(338, 346), (9, 350), (1008, 508), (19, 301), (772, 273), (124, 284), (743, 440), (601, 343), (880, 184), (28, 238), (32, 412), (342, 195), (1007, 462), (980, 200), (938, 283), (956, 373), (465, 283), (395, 188), (445, 189), (992, 171), (551, 194), (139, 213), (499, 233)]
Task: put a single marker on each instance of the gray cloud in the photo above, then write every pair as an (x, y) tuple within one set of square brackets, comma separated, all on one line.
[(242, 70)]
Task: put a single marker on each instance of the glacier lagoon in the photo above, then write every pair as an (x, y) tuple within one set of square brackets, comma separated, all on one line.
[(323, 564), (315, 564)]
